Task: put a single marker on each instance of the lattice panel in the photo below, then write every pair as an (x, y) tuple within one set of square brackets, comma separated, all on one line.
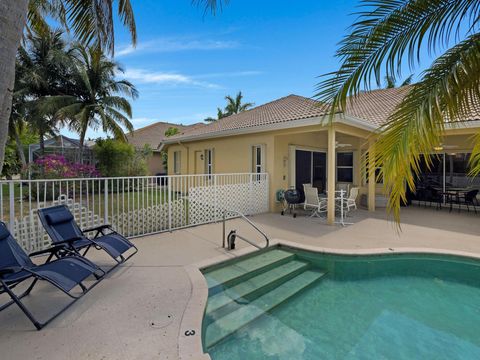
[(29, 231), (207, 203)]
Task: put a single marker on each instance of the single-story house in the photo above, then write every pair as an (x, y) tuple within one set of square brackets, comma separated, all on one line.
[(63, 145), (152, 135), (287, 138)]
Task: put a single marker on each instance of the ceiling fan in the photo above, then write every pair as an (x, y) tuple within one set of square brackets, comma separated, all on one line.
[(340, 145), (441, 147)]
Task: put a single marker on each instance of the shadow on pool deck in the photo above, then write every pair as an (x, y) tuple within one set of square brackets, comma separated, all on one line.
[(135, 313)]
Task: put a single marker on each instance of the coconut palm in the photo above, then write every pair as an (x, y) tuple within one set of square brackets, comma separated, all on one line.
[(42, 70), (386, 33), (94, 99), (235, 105), (391, 82), (91, 21)]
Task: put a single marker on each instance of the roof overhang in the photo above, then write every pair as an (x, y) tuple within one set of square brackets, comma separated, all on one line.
[(318, 120)]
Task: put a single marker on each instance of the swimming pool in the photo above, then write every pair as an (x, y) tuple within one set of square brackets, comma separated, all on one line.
[(290, 304)]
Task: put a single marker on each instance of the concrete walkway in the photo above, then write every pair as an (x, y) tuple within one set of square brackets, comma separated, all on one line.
[(135, 313)]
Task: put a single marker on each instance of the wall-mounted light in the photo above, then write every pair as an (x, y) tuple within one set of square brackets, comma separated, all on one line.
[(438, 148), (201, 157)]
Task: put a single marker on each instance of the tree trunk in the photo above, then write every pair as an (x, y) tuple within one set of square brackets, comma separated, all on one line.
[(42, 143), (13, 17), (82, 141), (20, 152)]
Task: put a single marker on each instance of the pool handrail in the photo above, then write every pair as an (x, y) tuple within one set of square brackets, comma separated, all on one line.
[(243, 217)]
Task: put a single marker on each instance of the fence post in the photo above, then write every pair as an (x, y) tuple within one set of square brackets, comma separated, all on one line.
[(11, 194), (169, 189), (215, 197), (267, 182), (250, 199), (105, 202)]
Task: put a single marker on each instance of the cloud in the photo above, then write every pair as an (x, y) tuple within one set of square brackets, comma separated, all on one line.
[(163, 45), (230, 74), (165, 78)]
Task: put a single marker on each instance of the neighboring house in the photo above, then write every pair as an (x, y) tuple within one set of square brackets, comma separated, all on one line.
[(63, 145), (153, 135), (287, 139)]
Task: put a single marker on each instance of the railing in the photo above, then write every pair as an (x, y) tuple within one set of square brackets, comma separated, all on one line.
[(233, 234), (134, 206)]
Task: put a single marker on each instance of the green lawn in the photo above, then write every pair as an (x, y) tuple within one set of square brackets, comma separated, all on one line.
[(117, 202)]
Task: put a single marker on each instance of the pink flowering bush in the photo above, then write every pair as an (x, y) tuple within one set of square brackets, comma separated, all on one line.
[(57, 167)]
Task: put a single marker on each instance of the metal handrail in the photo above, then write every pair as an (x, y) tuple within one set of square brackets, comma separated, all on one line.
[(242, 216)]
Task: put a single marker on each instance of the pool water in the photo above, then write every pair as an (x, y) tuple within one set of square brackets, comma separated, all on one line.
[(376, 307)]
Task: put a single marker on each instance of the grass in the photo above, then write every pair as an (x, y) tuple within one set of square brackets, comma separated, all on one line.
[(117, 202)]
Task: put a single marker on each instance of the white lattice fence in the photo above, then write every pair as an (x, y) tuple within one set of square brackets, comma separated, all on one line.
[(134, 206), (208, 203)]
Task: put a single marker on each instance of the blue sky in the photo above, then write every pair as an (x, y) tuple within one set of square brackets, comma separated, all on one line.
[(186, 62)]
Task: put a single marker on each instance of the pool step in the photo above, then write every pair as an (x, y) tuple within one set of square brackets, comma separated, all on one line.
[(223, 302), (228, 324), (237, 272)]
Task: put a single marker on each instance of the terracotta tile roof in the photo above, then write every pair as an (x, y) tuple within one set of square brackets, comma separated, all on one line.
[(372, 107), (153, 134), (375, 106), (289, 108)]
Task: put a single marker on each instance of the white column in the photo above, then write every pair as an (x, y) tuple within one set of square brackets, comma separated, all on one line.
[(372, 182), (331, 161)]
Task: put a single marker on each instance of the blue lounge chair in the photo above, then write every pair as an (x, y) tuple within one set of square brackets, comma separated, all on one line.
[(66, 273), (60, 225)]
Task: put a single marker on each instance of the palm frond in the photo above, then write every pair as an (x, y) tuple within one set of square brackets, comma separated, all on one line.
[(447, 92), (387, 32)]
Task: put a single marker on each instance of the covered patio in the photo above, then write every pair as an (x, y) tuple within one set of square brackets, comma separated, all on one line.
[(329, 159), (137, 311)]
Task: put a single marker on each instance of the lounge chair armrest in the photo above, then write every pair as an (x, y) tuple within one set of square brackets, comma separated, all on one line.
[(68, 241), (50, 250), (97, 228)]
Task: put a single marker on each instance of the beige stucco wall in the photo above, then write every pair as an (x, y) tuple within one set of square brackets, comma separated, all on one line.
[(234, 154), (155, 164)]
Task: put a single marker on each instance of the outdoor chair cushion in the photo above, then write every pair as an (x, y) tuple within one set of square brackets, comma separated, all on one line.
[(59, 217)]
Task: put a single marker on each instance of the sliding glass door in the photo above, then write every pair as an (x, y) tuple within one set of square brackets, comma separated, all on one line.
[(310, 168), (446, 172)]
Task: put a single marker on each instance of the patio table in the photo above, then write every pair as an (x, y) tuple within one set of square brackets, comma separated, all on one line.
[(453, 194)]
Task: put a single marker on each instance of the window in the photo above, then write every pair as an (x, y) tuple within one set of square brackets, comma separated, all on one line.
[(177, 155), (209, 161), (258, 157), (378, 170), (345, 167)]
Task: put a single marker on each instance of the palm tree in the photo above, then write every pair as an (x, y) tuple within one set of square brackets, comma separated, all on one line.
[(94, 100), (235, 106), (386, 33), (390, 81), (42, 68), (91, 21)]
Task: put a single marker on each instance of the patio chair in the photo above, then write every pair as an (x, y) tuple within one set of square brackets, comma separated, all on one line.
[(352, 199), (433, 196), (66, 274), (60, 225), (469, 198), (313, 201)]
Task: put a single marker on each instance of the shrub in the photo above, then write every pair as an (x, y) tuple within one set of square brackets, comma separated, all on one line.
[(57, 167), (117, 158)]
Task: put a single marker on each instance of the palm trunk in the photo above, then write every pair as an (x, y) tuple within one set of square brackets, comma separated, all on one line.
[(42, 143), (82, 141), (13, 17), (20, 152)]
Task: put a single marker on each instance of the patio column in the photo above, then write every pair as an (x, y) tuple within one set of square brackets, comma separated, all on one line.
[(372, 182), (331, 176)]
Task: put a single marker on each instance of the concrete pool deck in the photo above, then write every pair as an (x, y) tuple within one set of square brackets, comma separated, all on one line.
[(137, 311)]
